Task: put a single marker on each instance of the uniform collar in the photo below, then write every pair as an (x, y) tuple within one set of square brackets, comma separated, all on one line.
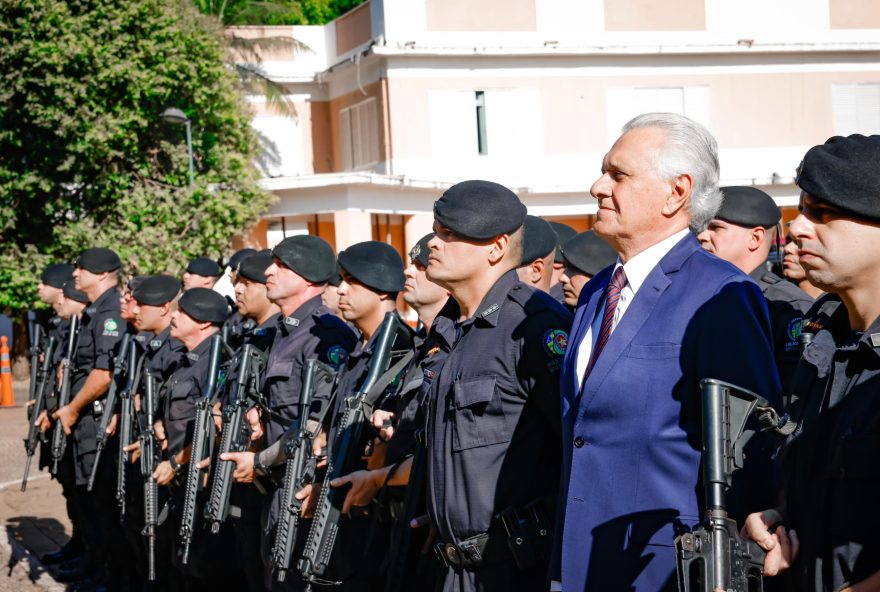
[(832, 329), (294, 320), (489, 308), (200, 351)]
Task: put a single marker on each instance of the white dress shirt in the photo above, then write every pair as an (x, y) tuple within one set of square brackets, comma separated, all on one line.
[(636, 271)]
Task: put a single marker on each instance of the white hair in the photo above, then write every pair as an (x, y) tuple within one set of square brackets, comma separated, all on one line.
[(689, 148)]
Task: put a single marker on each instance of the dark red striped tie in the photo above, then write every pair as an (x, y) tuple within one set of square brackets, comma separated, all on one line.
[(612, 297)]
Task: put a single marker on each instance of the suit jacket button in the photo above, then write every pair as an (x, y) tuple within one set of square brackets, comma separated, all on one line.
[(578, 442)]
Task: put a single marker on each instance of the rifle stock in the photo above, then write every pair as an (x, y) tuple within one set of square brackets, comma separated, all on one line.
[(149, 456), (714, 556), (299, 470)]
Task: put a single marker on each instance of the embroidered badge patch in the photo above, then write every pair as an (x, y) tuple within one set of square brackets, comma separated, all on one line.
[(556, 341), (336, 355), (111, 328), (794, 328)]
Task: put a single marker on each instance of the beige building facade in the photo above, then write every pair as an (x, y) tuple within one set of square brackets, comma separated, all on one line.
[(398, 99)]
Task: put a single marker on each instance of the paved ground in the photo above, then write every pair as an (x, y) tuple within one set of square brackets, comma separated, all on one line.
[(31, 523)]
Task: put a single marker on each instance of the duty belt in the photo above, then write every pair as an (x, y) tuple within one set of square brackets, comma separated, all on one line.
[(476, 551)]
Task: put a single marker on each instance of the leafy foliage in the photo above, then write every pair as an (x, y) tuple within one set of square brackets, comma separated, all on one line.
[(280, 12), (84, 158)]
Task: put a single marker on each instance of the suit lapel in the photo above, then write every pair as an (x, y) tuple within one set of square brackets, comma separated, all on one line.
[(636, 315)]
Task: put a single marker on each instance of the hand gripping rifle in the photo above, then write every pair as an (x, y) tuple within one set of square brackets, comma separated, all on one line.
[(43, 376), (201, 447), (392, 352), (120, 368), (299, 470), (149, 457), (236, 433), (126, 423), (714, 556), (59, 439)]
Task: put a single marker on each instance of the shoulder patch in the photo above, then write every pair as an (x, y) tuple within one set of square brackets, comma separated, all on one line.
[(336, 356), (556, 342), (111, 328), (795, 326)]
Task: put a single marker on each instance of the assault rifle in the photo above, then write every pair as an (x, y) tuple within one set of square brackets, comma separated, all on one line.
[(244, 394), (392, 351), (42, 376), (35, 335), (714, 556), (299, 470), (59, 439), (149, 458), (126, 423), (120, 368), (201, 447)]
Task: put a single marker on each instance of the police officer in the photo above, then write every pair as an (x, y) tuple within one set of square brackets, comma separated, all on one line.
[(793, 271), (825, 529), (301, 266), (199, 315), (494, 423), (372, 276), (583, 255), (538, 253), (159, 355), (233, 327), (563, 233), (252, 301), (742, 233), (201, 273), (96, 274)]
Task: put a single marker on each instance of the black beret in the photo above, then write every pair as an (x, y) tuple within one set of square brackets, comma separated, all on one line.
[(539, 240), (843, 172), (204, 305), (564, 232), (335, 280), (748, 207), (588, 252), (420, 250), (57, 274), (309, 256), (240, 256), (98, 260), (374, 264), (70, 291), (479, 210), (156, 290), (204, 266), (254, 267), (134, 282)]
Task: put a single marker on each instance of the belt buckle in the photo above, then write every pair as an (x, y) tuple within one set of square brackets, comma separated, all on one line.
[(448, 554)]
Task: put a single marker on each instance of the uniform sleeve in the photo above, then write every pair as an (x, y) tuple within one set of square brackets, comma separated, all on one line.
[(109, 329)]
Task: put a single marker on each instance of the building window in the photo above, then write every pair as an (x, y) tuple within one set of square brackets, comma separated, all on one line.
[(624, 103), (855, 109), (359, 135), (482, 141)]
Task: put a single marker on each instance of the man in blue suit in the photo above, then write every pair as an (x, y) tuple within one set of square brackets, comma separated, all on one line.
[(646, 331)]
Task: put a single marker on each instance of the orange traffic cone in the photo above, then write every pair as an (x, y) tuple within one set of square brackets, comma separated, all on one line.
[(7, 398)]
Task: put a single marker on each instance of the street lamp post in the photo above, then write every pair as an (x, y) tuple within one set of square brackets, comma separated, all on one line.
[(177, 116)]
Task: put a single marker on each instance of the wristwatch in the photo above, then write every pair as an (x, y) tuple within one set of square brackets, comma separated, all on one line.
[(175, 466), (260, 470)]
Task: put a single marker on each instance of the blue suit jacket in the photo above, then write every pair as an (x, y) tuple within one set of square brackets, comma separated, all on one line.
[(633, 484)]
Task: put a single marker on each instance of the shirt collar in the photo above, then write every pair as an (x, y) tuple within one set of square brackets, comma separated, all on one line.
[(638, 268), (200, 351), (295, 319)]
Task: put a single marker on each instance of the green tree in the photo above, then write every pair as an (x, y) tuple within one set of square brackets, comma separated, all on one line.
[(84, 158)]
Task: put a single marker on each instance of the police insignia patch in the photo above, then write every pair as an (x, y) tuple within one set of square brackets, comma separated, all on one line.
[(795, 326), (111, 328), (556, 341), (336, 355)]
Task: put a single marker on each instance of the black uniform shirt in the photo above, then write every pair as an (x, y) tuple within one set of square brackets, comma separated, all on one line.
[(185, 386), (262, 336), (494, 433), (831, 459), (312, 331), (163, 353), (100, 331), (408, 407), (787, 305)]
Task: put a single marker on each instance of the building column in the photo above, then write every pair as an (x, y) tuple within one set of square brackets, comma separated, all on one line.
[(352, 227), (415, 227)]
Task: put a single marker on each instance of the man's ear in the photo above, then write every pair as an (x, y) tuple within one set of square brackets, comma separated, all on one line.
[(756, 238), (499, 247), (682, 187)]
